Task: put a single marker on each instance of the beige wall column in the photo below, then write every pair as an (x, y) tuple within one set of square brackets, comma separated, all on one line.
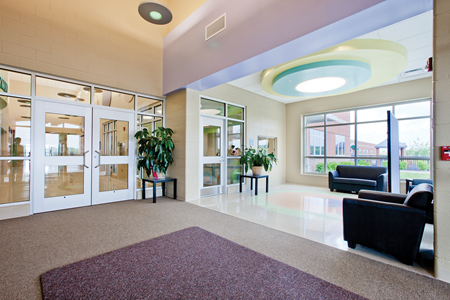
[(441, 101)]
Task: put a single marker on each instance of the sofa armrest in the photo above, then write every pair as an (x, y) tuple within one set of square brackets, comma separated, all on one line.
[(382, 196), (331, 175), (382, 180)]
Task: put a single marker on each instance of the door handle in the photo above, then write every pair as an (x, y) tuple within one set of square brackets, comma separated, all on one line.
[(99, 155), (84, 159)]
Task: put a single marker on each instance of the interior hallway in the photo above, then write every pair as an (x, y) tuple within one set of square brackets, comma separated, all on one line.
[(32, 245)]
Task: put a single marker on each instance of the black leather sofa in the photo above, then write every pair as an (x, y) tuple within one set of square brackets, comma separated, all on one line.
[(389, 222), (355, 178)]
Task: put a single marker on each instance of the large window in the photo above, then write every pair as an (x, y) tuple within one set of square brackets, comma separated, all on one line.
[(358, 136)]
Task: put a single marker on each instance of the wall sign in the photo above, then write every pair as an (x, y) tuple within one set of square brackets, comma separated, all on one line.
[(3, 85)]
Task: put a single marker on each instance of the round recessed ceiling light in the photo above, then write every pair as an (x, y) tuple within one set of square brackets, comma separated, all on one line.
[(25, 117), (155, 13), (64, 118), (66, 95), (27, 106), (24, 101), (323, 84)]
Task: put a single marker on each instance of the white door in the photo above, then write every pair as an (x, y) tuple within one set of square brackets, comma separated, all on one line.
[(62, 164), (113, 156), (212, 156)]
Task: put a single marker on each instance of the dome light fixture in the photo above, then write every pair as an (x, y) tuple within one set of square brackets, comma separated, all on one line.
[(66, 95), (321, 84), (155, 12)]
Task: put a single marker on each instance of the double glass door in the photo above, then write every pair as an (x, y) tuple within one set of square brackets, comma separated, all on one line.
[(82, 156)]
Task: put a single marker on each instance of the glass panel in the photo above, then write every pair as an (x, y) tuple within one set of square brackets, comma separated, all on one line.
[(15, 122), (15, 181), (235, 112), (113, 137), (340, 140), (372, 139), (61, 90), (149, 122), (234, 169), (314, 165), (373, 162), (414, 136), (316, 120), (139, 180), (113, 177), (15, 83), (341, 117), (211, 107), (372, 114), (211, 175), (113, 99), (211, 140), (267, 143), (314, 142), (64, 180), (235, 131), (150, 106), (64, 135), (417, 109), (332, 163), (415, 169)]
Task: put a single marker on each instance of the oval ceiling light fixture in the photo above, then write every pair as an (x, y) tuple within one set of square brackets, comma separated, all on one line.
[(321, 84), (66, 95), (344, 68), (155, 12)]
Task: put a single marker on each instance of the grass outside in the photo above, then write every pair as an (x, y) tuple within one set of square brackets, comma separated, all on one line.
[(414, 175)]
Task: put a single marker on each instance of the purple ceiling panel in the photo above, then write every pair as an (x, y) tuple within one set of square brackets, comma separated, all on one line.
[(264, 33)]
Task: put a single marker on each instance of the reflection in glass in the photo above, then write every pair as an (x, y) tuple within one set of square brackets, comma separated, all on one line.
[(341, 117), (372, 139), (332, 163), (314, 165), (113, 99), (113, 177), (15, 122), (139, 178), (149, 122), (414, 136), (372, 114), (314, 141), (211, 175), (341, 140), (234, 170), (415, 169), (113, 137), (56, 89), (64, 135), (235, 131), (64, 180), (416, 109), (211, 140), (235, 112), (150, 106), (15, 83), (316, 120), (14, 181), (268, 143), (211, 107)]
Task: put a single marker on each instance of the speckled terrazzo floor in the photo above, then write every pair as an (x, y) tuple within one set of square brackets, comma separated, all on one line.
[(33, 245), (309, 212)]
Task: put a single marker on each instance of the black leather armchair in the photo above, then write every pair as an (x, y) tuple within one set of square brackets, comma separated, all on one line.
[(412, 183), (389, 222)]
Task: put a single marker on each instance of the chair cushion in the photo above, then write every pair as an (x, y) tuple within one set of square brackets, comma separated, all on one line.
[(420, 197), (356, 181), (363, 172)]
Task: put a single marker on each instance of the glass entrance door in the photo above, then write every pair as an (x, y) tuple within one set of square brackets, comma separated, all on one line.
[(113, 161), (62, 164), (213, 155)]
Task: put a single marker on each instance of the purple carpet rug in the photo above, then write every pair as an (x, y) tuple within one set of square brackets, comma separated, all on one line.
[(188, 264)]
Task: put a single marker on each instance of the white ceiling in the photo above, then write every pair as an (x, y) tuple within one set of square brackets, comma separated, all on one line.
[(415, 34)]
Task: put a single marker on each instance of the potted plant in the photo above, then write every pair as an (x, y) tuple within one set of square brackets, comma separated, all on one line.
[(256, 159), (155, 150)]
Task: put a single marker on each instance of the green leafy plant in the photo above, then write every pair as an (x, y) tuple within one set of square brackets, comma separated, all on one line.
[(155, 150), (257, 157)]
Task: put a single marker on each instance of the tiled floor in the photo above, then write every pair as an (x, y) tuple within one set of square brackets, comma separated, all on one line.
[(310, 212)]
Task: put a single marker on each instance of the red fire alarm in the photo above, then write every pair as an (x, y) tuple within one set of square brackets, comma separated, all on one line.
[(429, 65), (445, 153)]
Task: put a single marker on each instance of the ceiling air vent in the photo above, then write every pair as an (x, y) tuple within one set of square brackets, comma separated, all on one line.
[(215, 27)]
